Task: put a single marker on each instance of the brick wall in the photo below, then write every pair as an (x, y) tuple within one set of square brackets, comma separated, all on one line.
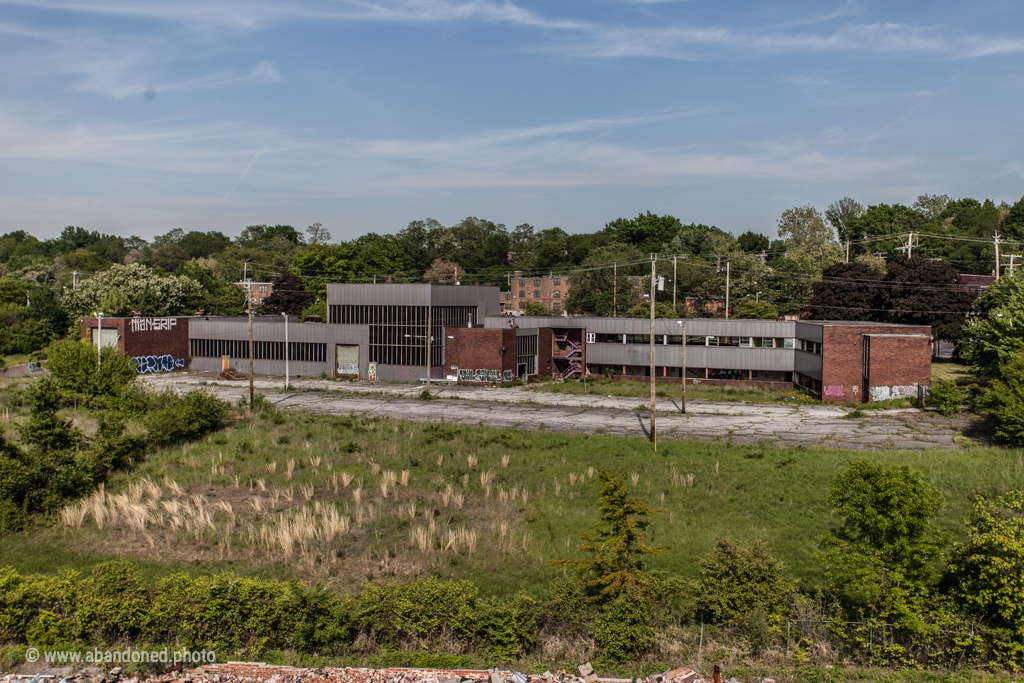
[(842, 361), (545, 340), (479, 349), (897, 365), (147, 338)]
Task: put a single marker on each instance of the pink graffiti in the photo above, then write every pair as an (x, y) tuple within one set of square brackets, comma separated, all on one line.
[(835, 390)]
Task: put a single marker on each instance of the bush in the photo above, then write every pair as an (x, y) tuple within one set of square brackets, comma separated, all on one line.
[(109, 384), (945, 396), (624, 629), (737, 580), (186, 417), (986, 571)]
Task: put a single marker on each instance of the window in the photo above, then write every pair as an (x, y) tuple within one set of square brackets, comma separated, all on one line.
[(556, 294), (555, 306), (536, 283), (522, 294), (263, 289), (591, 337), (788, 343), (558, 280), (508, 296), (746, 342), (536, 294), (522, 283), (522, 304), (636, 282)]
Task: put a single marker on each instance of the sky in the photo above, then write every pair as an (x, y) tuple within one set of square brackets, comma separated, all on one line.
[(140, 116)]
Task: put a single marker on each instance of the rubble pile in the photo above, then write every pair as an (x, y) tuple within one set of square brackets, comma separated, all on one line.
[(249, 672), (232, 374)]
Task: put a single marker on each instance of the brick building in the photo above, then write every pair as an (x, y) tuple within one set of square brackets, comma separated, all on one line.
[(549, 291), (257, 290), (155, 344)]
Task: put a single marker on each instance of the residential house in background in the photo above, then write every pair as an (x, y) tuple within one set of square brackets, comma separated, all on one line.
[(258, 291)]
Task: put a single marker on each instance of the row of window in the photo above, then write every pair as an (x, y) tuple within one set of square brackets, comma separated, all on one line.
[(400, 315), (557, 294), (740, 342), (536, 283), (261, 350)]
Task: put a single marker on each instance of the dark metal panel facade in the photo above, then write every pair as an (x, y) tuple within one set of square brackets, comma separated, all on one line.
[(808, 364)]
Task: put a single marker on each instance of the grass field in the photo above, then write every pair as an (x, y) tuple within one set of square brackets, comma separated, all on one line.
[(957, 372), (347, 499)]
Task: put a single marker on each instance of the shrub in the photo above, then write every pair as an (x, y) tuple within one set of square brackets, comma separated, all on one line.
[(945, 396), (986, 571), (737, 580), (186, 417), (428, 608), (108, 384), (624, 629)]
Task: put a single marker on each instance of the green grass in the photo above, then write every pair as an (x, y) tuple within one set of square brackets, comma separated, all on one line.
[(16, 359), (707, 392), (957, 372), (744, 492)]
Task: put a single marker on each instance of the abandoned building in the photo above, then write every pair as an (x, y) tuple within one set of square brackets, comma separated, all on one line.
[(379, 333)]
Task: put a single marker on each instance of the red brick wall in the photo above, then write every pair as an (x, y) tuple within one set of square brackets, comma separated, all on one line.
[(545, 339), (149, 342), (842, 375), (479, 349), (531, 287), (899, 362)]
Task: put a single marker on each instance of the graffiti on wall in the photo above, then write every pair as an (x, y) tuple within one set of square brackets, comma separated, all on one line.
[(371, 372), (836, 390), (348, 368), (152, 324), (164, 363), (468, 375), (886, 393)]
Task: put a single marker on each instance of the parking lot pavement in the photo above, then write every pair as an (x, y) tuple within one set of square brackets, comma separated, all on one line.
[(779, 424)]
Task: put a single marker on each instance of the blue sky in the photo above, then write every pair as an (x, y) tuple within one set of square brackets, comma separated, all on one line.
[(138, 116)]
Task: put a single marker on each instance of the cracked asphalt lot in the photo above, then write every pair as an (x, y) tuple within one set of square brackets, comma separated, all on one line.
[(516, 408)]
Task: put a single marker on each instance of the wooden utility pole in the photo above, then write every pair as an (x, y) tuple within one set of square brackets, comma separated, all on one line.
[(675, 276), (248, 289), (997, 255), (726, 289), (682, 400), (847, 251), (654, 427), (615, 286), (430, 303)]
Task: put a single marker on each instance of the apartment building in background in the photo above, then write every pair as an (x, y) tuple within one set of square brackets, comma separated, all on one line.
[(549, 291), (258, 290)]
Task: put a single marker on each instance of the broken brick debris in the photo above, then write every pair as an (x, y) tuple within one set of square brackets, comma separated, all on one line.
[(253, 672)]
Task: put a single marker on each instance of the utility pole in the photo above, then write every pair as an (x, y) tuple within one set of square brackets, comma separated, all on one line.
[(99, 339), (248, 289), (682, 376), (847, 251), (615, 289), (910, 245), (654, 428), (997, 255), (430, 330), (74, 281), (287, 351), (726, 289), (675, 276), (1012, 257)]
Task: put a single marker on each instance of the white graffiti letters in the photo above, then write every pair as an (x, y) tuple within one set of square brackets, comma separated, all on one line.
[(164, 363), (348, 368), (152, 325), (884, 393), (483, 375)]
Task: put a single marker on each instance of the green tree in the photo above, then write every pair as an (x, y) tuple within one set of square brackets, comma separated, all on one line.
[(752, 242), (842, 215), (618, 543), (736, 580), (879, 559), (923, 291), (1004, 399), (755, 310), (647, 232), (643, 310), (146, 292), (74, 365), (987, 572), (808, 237), (997, 334)]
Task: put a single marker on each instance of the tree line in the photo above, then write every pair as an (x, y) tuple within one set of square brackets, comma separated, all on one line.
[(46, 284)]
